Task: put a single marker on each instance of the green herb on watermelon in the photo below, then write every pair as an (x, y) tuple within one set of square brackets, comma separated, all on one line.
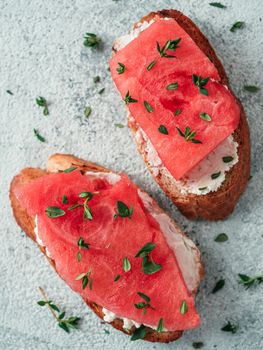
[(160, 326), (96, 79), (139, 333), (169, 45), (172, 86), (87, 214), (230, 327), (217, 4), (227, 159), (42, 102), (121, 68), (151, 65), (215, 175), (222, 237), (149, 267), (54, 212), (197, 344), (81, 245), (248, 281), (117, 278), (87, 111), (65, 324), (128, 99), (91, 40), (251, 88), (200, 83), (9, 92), (38, 136), (69, 170), (74, 206), (177, 112), (64, 199), (123, 211), (162, 129), (188, 135), (219, 285), (126, 265), (88, 195), (237, 25), (142, 304), (183, 307), (205, 116), (148, 106), (86, 279)]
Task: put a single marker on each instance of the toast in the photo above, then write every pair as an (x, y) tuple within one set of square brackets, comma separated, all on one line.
[(61, 162), (215, 205)]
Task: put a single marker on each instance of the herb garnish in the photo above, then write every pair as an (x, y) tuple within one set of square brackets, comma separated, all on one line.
[(54, 212), (117, 278), (9, 92), (86, 279), (126, 265), (249, 281), (87, 211), (64, 199), (217, 4), (183, 307), (251, 88), (65, 324), (101, 91), (237, 25), (188, 135), (142, 304), (202, 188), (149, 267), (178, 111), (128, 99), (69, 170), (96, 79), (139, 333), (149, 67), (162, 129), (230, 327), (160, 326), (227, 159), (123, 210), (197, 344), (200, 83), (82, 245), (169, 45), (121, 68), (222, 237), (219, 285), (42, 102), (38, 136), (205, 116), (91, 40), (148, 106), (87, 111), (172, 86), (119, 125), (215, 175)]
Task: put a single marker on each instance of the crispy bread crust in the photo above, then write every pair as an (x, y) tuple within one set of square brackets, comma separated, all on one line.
[(214, 205), (26, 222)]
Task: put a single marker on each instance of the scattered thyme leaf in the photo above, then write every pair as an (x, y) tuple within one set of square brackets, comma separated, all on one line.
[(148, 106), (119, 125), (123, 210), (230, 327), (222, 237), (126, 265), (237, 25), (42, 102), (87, 111), (205, 116), (128, 99), (9, 92), (217, 4), (172, 86), (38, 136), (54, 212), (151, 65), (91, 40), (197, 344), (162, 129), (251, 88), (183, 307), (101, 91), (160, 326), (121, 69), (64, 199), (96, 79), (117, 278), (219, 285), (227, 159), (177, 112)]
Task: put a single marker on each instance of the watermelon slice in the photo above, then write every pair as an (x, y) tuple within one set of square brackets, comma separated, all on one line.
[(109, 240), (168, 95)]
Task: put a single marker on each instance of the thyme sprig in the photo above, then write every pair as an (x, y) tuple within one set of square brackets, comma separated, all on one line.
[(144, 305), (188, 135), (200, 83), (128, 99), (249, 281), (169, 45)]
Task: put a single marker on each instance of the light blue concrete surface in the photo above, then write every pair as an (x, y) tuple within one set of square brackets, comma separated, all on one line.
[(42, 53)]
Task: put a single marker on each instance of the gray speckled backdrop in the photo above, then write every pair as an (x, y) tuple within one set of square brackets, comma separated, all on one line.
[(42, 53)]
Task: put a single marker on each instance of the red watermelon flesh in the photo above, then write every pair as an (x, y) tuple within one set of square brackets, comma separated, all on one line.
[(177, 154), (110, 241)]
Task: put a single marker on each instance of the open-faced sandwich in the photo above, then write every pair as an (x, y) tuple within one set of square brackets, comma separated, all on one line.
[(189, 127), (112, 244)]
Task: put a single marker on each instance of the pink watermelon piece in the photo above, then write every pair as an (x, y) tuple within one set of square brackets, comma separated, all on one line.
[(177, 154), (110, 240)]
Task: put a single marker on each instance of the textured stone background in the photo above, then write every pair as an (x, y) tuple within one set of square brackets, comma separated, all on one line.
[(41, 53)]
